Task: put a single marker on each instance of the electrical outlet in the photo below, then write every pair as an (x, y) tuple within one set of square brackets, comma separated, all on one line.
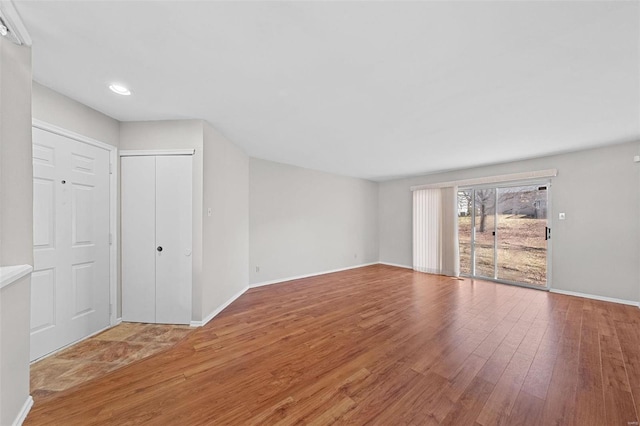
[(209, 211), (257, 269), (561, 216), (355, 255)]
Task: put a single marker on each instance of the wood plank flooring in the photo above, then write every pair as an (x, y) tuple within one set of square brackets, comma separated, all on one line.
[(381, 345)]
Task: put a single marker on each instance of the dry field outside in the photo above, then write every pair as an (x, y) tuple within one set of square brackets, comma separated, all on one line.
[(521, 254)]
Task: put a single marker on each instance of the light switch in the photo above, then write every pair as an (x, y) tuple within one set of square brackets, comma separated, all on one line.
[(561, 216)]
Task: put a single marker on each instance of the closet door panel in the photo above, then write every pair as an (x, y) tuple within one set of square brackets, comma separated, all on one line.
[(138, 198), (174, 235)]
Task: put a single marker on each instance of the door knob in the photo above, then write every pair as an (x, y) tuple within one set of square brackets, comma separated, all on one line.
[(159, 248)]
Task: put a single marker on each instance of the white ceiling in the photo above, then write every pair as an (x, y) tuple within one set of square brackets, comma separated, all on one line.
[(368, 89)]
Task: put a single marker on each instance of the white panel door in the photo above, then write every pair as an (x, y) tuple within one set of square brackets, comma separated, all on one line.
[(138, 225), (156, 239), (70, 284), (173, 235)]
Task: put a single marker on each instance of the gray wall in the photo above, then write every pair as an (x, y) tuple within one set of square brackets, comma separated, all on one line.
[(175, 134), (16, 224), (14, 348), (226, 231), (594, 251), (17, 170), (303, 221), (59, 110)]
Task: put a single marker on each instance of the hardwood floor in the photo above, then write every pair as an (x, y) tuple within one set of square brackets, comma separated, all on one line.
[(381, 345)]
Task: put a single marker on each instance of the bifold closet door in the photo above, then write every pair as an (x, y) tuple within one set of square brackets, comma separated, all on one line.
[(156, 239), (138, 224), (173, 235)]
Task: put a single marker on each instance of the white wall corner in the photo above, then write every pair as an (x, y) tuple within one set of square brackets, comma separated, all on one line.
[(26, 407), (218, 310), (396, 265)]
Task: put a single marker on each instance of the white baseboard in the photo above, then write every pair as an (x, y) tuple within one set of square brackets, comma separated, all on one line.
[(22, 415), (396, 265), (240, 293), (218, 310), (314, 274), (552, 290), (594, 297)]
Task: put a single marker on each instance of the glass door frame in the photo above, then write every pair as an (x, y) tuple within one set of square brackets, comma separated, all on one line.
[(472, 260)]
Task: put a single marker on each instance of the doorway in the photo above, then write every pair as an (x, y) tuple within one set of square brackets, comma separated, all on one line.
[(73, 223), (504, 233)]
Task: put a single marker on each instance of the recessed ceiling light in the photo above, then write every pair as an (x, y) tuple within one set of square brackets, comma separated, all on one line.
[(119, 89)]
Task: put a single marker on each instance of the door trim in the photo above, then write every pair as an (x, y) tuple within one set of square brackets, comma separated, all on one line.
[(113, 205), (156, 152)]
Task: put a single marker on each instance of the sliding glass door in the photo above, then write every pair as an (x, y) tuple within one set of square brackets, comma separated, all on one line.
[(503, 233), (484, 232)]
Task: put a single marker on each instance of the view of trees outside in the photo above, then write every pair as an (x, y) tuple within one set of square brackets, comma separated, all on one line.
[(521, 221)]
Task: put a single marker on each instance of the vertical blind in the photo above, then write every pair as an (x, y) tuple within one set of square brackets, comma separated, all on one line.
[(435, 231), (426, 230)]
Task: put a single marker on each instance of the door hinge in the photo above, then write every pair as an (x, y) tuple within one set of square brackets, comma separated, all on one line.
[(110, 238), (110, 168)]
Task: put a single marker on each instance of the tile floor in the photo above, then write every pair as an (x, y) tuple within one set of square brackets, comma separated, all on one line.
[(101, 354)]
